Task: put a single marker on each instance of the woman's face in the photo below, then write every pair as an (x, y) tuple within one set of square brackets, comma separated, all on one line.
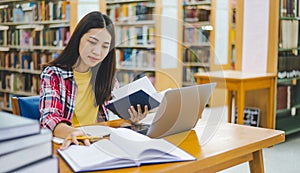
[(93, 48)]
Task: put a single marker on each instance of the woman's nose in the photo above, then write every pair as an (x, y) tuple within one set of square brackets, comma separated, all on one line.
[(96, 51)]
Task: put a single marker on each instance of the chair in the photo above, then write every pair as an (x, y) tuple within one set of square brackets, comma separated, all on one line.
[(26, 106)]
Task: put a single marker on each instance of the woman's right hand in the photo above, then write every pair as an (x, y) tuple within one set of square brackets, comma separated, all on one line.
[(69, 134), (71, 139)]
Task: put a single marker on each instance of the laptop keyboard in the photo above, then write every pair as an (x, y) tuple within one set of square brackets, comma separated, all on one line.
[(140, 128)]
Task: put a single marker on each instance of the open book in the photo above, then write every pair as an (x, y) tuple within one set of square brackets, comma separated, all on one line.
[(125, 148), (140, 92)]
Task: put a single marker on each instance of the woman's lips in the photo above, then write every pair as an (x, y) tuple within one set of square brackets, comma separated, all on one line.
[(93, 58)]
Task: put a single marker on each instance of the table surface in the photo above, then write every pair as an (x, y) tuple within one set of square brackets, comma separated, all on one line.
[(232, 74), (212, 144)]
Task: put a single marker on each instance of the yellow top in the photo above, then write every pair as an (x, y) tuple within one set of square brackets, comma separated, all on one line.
[(85, 110)]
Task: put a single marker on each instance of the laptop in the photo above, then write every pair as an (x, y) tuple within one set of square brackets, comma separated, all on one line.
[(179, 111)]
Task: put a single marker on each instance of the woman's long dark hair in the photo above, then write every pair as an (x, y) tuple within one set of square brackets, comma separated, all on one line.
[(102, 74)]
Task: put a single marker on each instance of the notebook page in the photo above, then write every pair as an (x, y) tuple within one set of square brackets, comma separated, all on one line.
[(143, 83)]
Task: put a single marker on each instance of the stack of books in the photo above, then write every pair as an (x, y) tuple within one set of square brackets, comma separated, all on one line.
[(24, 147)]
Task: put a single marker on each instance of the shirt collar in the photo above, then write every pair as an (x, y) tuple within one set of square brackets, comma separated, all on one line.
[(67, 74)]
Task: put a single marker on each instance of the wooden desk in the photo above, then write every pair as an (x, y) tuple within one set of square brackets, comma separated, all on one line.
[(231, 145), (242, 82)]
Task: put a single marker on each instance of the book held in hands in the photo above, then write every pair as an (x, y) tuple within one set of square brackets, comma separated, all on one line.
[(125, 148), (140, 92), (120, 106)]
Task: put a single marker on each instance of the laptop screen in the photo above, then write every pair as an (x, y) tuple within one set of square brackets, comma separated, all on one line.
[(180, 110)]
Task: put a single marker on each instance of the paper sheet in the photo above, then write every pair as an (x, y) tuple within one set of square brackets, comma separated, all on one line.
[(142, 83)]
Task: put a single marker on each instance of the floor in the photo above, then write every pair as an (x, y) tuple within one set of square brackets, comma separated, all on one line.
[(284, 157)]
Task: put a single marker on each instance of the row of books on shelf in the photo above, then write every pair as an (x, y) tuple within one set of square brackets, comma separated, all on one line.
[(15, 82), (288, 96), (288, 34), (196, 35), (6, 102), (3, 35), (196, 54), (125, 77), (288, 74), (35, 11), (24, 147), (288, 66), (131, 12), (26, 60), (194, 1), (195, 14), (35, 35), (289, 8), (188, 73), (135, 35), (135, 58)]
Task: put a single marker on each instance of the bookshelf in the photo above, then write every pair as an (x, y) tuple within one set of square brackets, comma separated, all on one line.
[(135, 42), (31, 33), (139, 42), (196, 46), (288, 86), (217, 20), (209, 32)]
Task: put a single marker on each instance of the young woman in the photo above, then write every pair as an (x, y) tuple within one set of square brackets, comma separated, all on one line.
[(76, 85)]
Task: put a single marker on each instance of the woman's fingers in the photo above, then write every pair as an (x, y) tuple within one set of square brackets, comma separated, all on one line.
[(65, 144), (133, 114), (138, 115), (146, 111), (86, 142), (139, 109), (72, 139)]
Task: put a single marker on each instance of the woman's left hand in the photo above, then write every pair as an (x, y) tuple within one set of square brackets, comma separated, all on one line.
[(136, 116)]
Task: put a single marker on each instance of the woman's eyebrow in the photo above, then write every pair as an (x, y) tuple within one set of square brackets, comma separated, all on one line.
[(93, 37)]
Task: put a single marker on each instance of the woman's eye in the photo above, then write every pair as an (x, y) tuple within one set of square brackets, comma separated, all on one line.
[(92, 42), (105, 47)]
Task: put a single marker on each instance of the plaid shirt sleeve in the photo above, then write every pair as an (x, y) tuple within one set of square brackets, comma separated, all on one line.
[(57, 99)]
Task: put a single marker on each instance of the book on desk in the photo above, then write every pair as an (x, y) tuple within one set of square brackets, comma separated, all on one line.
[(47, 165), (13, 126), (125, 148), (24, 147)]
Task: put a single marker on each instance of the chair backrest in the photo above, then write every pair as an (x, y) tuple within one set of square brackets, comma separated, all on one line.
[(26, 106)]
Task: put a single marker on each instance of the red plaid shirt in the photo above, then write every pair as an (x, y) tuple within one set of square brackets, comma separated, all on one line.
[(58, 97)]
